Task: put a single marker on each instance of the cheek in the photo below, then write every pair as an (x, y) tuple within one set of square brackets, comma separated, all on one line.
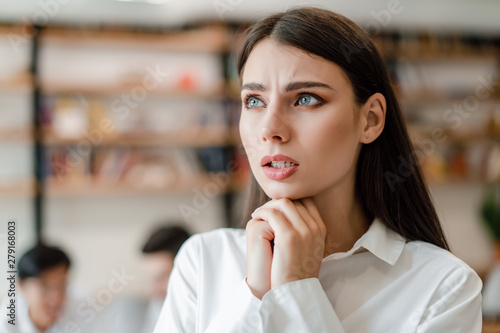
[(332, 145), (32, 295), (243, 129), (248, 128)]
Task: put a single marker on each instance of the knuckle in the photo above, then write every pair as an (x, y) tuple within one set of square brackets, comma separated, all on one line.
[(252, 225), (287, 203), (275, 211)]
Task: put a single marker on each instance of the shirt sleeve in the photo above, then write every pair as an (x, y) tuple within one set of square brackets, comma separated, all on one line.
[(455, 306), (299, 306), (240, 314), (179, 311)]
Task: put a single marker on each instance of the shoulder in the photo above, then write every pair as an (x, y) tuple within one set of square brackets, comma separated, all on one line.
[(432, 254), (230, 235), (445, 285), (221, 236), (442, 264), (222, 241)]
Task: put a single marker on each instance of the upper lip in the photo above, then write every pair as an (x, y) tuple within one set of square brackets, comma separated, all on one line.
[(278, 157)]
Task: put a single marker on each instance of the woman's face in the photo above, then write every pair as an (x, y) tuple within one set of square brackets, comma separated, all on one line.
[(302, 107)]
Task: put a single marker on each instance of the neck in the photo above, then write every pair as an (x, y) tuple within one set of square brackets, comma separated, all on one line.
[(343, 216)]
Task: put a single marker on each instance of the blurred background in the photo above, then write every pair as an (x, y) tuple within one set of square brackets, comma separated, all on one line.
[(117, 116)]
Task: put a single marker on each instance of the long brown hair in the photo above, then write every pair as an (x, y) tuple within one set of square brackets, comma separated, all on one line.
[(388, 178)]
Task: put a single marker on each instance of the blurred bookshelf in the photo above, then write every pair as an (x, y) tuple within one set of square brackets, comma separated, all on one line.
[(125, 110), (118, 111), (70, 126), (149, 113), (16, 129), (449, 89)]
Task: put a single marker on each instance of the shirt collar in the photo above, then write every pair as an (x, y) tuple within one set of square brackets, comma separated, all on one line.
[(381, 241)]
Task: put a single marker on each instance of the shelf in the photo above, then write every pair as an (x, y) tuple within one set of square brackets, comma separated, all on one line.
[(207, 39), (16, 135), (13, 29), (90, 187), (21, 83), (491, 326), (431, 98), (419, 133), (440, 46), (71, 89), (189, 137), (17, 188)]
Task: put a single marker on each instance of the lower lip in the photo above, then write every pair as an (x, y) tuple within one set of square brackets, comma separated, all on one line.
[(279, 174)]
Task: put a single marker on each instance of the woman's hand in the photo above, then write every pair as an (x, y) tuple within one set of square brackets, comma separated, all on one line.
[(259, 256), (299, 237)]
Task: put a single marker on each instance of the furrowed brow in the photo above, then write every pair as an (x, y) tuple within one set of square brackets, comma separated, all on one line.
[(306, 84), (289, 87), (253, 86)]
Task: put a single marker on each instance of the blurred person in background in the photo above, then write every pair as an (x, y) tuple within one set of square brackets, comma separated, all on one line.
[(42, 304), (159, 252), (139, 315)]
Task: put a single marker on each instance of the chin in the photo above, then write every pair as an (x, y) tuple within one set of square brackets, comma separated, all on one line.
[(279, 191)]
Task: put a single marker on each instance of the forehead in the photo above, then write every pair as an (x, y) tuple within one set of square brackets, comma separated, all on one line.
[(158, 258), (270, 62), (57, 274), (59, 271)]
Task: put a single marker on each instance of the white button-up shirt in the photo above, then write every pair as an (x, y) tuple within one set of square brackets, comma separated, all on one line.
[(383, 284)]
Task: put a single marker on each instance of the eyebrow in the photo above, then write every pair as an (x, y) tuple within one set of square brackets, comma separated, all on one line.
[(289, 87)]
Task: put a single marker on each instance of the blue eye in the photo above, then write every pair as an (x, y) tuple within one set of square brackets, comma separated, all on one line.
[(307, 100), (253, 102)]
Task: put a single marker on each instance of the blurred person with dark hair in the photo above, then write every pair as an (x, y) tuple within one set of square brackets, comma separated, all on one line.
[(43, 277), (159, 252), (138, 314)]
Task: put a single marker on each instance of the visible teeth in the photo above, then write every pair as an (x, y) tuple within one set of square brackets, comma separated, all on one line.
[(281, 164)]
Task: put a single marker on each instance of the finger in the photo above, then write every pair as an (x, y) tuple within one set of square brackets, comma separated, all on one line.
[(313, 211), (274, 217), (289, 210), (306, 216), (261, 228), (259, 256)]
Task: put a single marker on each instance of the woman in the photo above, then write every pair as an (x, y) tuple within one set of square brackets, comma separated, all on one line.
[(343, 236)]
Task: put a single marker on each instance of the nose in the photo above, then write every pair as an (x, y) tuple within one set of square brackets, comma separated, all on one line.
[(275, 127)]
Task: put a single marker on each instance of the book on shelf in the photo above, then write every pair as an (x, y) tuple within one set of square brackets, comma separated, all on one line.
[(160, 168), (82, 117)]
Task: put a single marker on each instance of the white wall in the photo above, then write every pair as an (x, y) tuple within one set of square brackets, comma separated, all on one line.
[(102, 234), (480, 15)]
